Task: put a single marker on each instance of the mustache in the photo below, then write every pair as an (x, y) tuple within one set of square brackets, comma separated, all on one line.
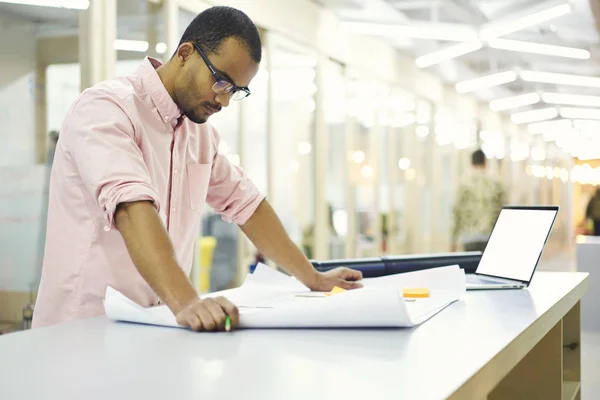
[(216, 107)]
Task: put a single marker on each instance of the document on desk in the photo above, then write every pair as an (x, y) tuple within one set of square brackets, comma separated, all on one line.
[(270, 299)]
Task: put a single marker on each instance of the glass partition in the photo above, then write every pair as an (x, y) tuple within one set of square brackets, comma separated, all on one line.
[(336, 174), (365, 99), (293, 89)]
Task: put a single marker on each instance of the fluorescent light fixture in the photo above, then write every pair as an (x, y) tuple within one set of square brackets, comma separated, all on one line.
[(579, 113), (541, 114), (560, 79), (486, 82), (514, 101), (417, 30), (587, 125), (541, 127), (448, 53), (539, 48), (140, 46), (571, 99), (502, 28), (73, 4), (131, 45)]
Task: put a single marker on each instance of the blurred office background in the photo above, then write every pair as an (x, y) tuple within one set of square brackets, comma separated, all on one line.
[(360, 126)]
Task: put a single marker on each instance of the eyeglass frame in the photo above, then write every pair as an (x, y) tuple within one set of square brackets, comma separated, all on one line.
[(218, 77)]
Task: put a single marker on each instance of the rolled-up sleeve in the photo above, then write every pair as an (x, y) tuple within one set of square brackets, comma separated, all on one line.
[(99, 136), (230, 192)]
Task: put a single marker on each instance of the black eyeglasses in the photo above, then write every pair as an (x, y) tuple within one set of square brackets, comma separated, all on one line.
[(223, 85)]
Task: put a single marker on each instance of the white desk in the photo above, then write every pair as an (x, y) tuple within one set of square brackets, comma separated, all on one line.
[(588, 260), (462, 353)]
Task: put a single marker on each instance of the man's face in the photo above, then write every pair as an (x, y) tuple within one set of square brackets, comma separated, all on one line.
[(193, 85)]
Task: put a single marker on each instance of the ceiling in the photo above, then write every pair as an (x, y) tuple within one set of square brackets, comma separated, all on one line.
[(575, 29), (53, 21), (477, 33)]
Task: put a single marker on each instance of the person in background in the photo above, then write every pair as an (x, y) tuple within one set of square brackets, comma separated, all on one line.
[(477, 205), (134, 166), (592, 211)]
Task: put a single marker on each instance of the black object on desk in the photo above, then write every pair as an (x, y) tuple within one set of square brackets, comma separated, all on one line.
[(370, 267), (417, 262), (388, 265)]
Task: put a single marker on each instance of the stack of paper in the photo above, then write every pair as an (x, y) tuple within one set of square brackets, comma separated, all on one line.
[(270, 299)]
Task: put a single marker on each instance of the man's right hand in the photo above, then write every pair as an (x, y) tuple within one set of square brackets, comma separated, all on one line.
[(208, 314)]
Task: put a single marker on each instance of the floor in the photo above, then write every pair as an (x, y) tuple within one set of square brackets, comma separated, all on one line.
[(565, 260)]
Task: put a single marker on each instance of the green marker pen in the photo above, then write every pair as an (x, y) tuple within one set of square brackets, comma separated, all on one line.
[(227, 323)]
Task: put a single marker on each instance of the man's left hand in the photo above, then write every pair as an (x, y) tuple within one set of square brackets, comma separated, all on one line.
[(342, 277)]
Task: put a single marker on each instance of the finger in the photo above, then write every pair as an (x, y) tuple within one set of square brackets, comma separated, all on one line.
[(231, 310), (351, 274), (218, 314), (194, 322), (349, 284), (208, 323)]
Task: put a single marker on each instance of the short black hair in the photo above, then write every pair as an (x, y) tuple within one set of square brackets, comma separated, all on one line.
[(478, 157), (212, 26)]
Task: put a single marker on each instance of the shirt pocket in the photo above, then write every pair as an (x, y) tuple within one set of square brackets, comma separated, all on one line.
[(198, 179)]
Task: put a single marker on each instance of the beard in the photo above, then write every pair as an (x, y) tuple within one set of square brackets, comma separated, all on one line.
[(193, 116)]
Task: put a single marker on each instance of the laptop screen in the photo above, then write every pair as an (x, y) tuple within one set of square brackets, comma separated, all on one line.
[(517, 242)]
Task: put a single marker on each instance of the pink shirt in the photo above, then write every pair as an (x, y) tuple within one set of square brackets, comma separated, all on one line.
[(125, 140)]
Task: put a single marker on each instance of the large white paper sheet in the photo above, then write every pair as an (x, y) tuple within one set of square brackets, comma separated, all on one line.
[(269, 299)]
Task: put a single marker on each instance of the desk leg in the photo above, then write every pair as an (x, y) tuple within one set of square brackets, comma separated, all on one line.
[(538, 376), (572, 354)]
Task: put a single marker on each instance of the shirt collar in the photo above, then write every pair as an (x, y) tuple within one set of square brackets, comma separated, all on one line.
[(166, 107)]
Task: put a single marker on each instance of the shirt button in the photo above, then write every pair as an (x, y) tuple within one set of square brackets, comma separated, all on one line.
[(174, 209), (166, 119), (175, 171), (106, 228)]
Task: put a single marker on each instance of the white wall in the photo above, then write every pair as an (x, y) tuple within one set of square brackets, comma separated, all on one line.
[(17, 101), (21, 181), (62, 88)]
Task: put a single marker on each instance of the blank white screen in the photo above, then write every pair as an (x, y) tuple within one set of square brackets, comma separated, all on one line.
[(516, 243)]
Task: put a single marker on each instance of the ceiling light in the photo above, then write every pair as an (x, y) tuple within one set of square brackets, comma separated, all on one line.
[(131, 45), (404, 163), (541, 114), (586, 125), (539, 48), (448, 53), (140, 46), (541, 127), (161, 48), (571, 99), (304, 148), (560, 79), (486, 82), (422, 30), (358, 156), (73, 4), (579, 113), (514, 101), (366, 171), (502, 28)]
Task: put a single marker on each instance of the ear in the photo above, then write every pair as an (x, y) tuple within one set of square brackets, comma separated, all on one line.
[(184, 52)]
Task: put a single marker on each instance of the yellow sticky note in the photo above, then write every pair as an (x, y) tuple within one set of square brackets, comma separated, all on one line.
[(335, 290), (415, 292)]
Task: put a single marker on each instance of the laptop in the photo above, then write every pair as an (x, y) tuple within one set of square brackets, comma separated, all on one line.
[(514, 248)]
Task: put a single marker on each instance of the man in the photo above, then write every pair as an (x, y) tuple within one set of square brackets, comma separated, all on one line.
[(477, 205), (135, 163), (592, 211)]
